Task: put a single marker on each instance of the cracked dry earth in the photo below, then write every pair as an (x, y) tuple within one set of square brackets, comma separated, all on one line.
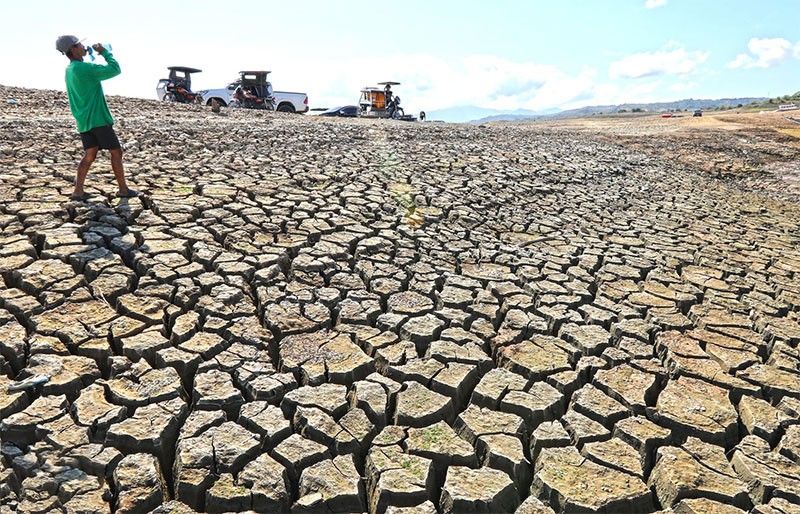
[(315, 315)]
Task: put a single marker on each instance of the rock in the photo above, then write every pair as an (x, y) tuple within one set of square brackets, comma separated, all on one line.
[(330, 398), (67, 374), (643, 435), (397, 479), (418, 406), (322, 356), (506, 453), (584, 430), (21, 427), (477, 421), (594, 404), (633, 388), (494, 384), (535, 359), (541, 402), (91, 409), (152, 429), (548, 435), (214, 390), (767, 473), (564, 478), (225, 495), (776, 382), (441, 444), (696, 469), (775, 506), (699, 409), (337, 481), (139, 483), (224, 449), (762, 419), (268, 483), (704, 506), (410, 303), (265, 420), (790, 443), (297, 453), (533, 505), (142, 385), (478, 490), (615, 454)]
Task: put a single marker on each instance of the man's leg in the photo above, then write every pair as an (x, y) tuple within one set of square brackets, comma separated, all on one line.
[(83, 169), (119, 172)]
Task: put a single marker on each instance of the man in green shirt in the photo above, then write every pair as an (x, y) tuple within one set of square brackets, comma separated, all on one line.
[(88, 105)]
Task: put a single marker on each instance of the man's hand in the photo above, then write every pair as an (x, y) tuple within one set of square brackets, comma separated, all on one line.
[(98, 48)]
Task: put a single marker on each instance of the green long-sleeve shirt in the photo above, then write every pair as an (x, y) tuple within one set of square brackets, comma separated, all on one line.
[(86, 99)]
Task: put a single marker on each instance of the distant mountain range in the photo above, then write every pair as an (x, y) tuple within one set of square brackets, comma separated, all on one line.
[(474, 114), (467, 113)]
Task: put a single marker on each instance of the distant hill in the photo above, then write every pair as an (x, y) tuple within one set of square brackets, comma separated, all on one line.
[(466, 113), (772, 103), (687, 104)]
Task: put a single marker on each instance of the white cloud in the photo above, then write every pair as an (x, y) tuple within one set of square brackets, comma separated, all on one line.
[(672, 60), (652, 4), (683, 87), (431, 83), (764, 53), (642, 91)]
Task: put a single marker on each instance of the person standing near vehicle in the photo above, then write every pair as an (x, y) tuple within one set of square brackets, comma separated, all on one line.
[(387, 95), (88, 105)]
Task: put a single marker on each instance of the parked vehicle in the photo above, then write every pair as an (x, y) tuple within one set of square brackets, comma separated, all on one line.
[(378, 102), (284, 101), (697, 113), (178, 87), (667, 115), (347, 111), (253, 91)]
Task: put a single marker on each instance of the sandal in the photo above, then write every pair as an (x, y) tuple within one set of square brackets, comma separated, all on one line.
[(79, 198), (130, 193)]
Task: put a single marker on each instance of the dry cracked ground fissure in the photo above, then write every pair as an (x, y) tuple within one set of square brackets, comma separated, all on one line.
[(313, 315)]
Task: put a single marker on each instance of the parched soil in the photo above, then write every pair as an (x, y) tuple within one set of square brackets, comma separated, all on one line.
[(760, 149), (321, 315)]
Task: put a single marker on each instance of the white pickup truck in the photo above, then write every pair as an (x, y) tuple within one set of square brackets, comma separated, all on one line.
[(285, 101)]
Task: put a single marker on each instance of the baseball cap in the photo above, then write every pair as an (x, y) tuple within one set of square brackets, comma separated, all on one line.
[(64, 43)]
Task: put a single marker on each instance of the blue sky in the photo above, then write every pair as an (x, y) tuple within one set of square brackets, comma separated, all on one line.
[(506, 55)]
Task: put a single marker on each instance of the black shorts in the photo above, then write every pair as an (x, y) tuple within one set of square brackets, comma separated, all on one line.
[(104, 137)]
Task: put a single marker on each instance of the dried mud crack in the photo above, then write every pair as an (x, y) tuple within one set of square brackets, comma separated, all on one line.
[(316, 315)]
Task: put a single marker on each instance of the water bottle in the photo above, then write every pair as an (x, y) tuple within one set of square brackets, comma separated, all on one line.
[(90, 51)]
